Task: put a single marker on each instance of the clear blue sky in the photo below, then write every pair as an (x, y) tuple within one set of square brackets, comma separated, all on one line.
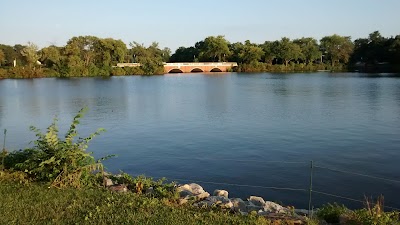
[(177, 23)]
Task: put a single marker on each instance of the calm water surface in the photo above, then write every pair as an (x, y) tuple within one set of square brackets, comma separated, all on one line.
[(230, 128)]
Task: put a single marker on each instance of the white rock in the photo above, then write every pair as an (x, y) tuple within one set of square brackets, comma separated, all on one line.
[(274, 207), (107, 182), (202, 196), (258, 201), (185, 187), (221, 201), (218, 192), (196, 189)]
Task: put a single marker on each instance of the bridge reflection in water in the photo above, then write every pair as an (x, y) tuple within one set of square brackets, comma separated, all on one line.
[(191, 67)]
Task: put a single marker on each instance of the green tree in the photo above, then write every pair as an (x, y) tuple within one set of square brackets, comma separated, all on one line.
[(250, 53), (183, 54), (30, 52), (9, 54), (235, 49), (360, 50), (2, 57), (394, 50), (21, 60), (109, 52), (214, 49), (81, 54), (337, 48), (83, 47), (309, 49), (50, 56), (270, 51), (287, 50), (166, 54), (150, 58), (371, 50)]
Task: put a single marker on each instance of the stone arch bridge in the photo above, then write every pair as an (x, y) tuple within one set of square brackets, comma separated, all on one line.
[(191, 67)]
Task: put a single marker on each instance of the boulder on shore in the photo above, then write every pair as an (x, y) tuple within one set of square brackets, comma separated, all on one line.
[(258, 201), (219, 201), (218, 192), (107, 182), (191, 192)]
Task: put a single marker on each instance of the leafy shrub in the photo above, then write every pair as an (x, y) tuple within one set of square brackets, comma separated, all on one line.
[(118, 71), (12, 159), (62, 162), (331, 212), (373, 214), (140, 184), (366, 217), (14, 176), (3, 73)]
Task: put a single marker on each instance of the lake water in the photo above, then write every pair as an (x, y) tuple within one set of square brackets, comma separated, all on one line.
[(256, 130)]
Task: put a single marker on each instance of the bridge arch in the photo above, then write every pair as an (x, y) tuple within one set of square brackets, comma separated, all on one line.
[(175, 70), (196, 70), (216, 69)]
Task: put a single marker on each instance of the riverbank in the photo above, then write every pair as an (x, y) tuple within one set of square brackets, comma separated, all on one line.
[(36, 203), (132, 200), (29, 73)]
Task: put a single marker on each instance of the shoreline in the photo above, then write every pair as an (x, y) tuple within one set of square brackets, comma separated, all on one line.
[(216, 73)]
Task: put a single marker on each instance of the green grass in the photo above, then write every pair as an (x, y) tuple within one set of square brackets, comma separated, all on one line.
[(38, 204)]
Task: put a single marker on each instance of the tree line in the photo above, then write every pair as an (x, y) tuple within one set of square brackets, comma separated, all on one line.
[(93, 56)]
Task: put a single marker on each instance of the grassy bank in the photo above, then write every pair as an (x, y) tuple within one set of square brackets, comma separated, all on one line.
[(38, 204)]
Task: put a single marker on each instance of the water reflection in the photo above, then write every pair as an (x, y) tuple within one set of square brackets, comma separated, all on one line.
[(217, 100)]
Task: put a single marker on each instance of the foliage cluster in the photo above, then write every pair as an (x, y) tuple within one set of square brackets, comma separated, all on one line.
[(60, 161), (64, 162), (141, 185), (93, 56), (372, 214), (331, 212), (81, 56)]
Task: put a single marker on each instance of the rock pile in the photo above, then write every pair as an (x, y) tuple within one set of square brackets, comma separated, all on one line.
[(195, 194), (114, 187)]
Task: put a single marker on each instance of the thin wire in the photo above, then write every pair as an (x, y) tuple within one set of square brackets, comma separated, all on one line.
[(337, 196), (350, 199), (237, 185), (392, 208), (358, 174), (223, 159), (271, 187)]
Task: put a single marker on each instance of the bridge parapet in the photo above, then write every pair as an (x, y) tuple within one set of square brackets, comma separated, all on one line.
[(128, 64), (188, 67), (216, 64)]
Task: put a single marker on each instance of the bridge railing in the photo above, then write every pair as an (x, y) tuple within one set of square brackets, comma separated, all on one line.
[(216, 64), (128, 64), (202, 64)]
